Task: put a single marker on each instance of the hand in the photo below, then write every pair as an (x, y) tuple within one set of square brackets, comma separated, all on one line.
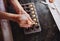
[(51, 1), (24, 20)]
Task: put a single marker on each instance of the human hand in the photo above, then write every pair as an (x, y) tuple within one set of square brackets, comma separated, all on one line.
[(24, 20), (51, 1)]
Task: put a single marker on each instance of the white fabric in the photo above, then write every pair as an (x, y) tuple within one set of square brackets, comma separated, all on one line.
[(2, 5), (55, 12)]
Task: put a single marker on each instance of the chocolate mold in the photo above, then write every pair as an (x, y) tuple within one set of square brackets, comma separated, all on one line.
[(31, 10)]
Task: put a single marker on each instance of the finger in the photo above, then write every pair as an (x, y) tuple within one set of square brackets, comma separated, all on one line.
[(29, 18), (31, 21), (25, 25)]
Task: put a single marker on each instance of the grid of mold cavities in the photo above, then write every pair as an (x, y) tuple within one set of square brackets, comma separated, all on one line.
[(30, 9)]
